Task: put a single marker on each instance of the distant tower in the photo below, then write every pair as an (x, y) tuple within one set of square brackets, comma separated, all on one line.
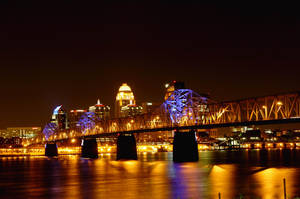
[(59, 117), (172, 86), (102, 111), (74, 117), (125, 103)]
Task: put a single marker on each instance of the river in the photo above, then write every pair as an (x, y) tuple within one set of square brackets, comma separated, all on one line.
[(234, 174)]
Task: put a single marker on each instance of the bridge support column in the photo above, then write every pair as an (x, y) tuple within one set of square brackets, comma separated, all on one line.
[(126, 147), (185, 147), (51, 149), (89, 148)]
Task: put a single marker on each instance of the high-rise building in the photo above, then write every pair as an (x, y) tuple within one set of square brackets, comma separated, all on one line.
[(101, 111), (131, 110), (125, 103), (59, 117), (150, 107), (172, 86), (74, 117)]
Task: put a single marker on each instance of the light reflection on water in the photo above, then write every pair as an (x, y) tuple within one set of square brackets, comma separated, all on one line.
[(253, 174)]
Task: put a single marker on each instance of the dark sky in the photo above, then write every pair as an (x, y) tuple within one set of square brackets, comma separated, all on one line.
[(72, 54)]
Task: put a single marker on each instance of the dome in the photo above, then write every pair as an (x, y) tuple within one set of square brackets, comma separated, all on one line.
[(125, 88)]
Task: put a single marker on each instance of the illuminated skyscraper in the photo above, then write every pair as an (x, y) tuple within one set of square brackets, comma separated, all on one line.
[(125, 103), (101, 111), (59, 117), (74, 117)]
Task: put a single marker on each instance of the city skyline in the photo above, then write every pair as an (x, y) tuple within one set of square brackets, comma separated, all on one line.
[(149, 99), (73, 55)]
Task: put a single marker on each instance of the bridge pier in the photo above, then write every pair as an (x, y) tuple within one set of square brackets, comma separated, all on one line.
[(185, 147), (89, 148), (51, 149), (126, 147)]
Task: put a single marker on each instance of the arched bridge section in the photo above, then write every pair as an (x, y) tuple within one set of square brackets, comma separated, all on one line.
[(187, 109)]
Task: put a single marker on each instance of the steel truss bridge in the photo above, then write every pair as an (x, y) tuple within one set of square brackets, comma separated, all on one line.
[(186, 109)]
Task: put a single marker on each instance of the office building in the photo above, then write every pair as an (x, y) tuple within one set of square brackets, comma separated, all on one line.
[(172, 86), (101, 111), (59, 117), (74, 117)]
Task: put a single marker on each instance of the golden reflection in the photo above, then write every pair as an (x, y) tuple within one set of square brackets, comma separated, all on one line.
[(271, 182), (222, 180), (138, 179)]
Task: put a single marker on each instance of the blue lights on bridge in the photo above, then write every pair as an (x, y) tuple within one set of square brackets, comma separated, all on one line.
[(184, 103), (88, 121), (50, 129)]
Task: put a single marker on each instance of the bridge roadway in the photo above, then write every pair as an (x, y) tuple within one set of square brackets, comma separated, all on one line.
[(194, 127), (186, 110), (185, 147), (191, 111)]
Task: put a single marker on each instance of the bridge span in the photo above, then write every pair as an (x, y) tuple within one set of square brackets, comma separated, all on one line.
[(187, 110)]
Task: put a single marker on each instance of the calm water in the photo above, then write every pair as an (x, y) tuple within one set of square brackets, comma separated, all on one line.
[(254, 174)]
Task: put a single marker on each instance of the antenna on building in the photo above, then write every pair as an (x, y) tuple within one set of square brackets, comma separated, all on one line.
[(98, 102)]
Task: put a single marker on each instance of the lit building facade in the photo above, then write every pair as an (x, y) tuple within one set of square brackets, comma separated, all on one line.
[(101, 111), (125, 103), (21, 132), (172, 86), (59, 117), (74, 117), (150, 107), (131, 110)]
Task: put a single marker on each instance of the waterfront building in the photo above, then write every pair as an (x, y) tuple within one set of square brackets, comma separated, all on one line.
[(59, 117), (12, 142), (251, 135), (2, 132), (125, 103), (101, 111), (21, 132)]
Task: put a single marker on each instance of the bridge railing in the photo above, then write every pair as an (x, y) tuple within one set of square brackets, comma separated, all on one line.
[(285, 106), (276, 107)]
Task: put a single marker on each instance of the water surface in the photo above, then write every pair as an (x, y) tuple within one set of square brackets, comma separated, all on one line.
[(235, 174)]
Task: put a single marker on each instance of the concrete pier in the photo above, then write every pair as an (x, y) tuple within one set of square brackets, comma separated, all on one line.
[(89, 148), (51, 149), (126, 147), (185, 147)]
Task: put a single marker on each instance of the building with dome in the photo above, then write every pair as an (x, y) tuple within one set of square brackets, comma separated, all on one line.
[(125, 103)]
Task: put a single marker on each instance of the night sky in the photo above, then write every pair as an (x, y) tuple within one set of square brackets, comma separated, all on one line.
[(73, 54)]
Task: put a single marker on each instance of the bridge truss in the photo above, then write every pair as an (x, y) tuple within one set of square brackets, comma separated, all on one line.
[(185, 108)]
